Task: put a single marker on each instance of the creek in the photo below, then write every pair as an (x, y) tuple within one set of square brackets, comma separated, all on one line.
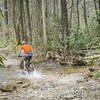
[(49, 81), (45, 69)]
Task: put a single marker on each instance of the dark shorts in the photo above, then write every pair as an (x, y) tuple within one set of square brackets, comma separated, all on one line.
[(28, 57)]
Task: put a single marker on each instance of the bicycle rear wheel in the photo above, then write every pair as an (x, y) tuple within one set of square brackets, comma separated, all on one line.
[(22, 65)]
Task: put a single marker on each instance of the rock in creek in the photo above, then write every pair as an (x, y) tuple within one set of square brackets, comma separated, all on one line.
[(9, 87)]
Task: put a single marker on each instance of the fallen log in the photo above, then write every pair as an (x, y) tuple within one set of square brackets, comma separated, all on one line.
[(91, 57)]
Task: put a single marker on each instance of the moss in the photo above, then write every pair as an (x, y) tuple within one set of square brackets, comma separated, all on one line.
[(97, 75), (91, 74)]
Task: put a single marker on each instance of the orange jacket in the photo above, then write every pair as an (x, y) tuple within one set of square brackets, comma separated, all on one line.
[(26, 48)]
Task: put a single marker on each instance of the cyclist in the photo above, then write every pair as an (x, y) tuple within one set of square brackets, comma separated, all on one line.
[(27, 51)]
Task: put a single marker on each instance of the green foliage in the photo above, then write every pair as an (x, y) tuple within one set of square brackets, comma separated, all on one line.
[(80, 40), (98, 15), (52, 42), (3, 44), (85, 38), (97, 75), (90, 62), (1, 15), (75, 41), (1, 60), (55, 42), (14, 45)]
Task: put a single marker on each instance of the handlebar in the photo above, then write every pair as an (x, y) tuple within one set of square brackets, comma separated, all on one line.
[(20, 56)]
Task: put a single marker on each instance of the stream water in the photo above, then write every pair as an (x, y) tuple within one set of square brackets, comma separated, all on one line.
[(50, 81), (12, 73), (42, 70)]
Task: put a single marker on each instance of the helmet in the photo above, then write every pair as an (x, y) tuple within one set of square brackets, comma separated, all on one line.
[(23, 42)]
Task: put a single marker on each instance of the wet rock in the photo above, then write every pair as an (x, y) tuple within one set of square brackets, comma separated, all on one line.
[(5, 90), (19, 82), (91, 74), (3, 97), (8, 87), (69, 97), (80, 81), (25, 85), (76, 99), (93, 69)]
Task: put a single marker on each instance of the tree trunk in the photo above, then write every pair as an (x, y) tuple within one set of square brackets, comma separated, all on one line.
[(78, 20), (39, 3), (85, 16), (16, 26), (64, 19), (44, 24), (29, 21), (6, 20), (54, 8), (6, 13), (24, 37), (71, 14), (99, 4), (57, 17), (95, 7), (99, 12)]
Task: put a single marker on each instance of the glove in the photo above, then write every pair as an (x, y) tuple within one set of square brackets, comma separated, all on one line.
[(19, 56)]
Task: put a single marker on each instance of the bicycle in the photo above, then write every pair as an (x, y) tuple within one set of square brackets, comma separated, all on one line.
[(29, 66)]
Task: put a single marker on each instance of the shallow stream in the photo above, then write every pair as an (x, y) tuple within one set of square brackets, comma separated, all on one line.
[(42, 70)]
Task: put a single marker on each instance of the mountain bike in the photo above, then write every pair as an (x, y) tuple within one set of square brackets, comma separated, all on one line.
[(29, 66)]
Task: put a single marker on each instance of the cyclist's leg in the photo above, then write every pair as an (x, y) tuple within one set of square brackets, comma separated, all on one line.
[(29, 65), (29, 58), (22, 64), (25, 62)]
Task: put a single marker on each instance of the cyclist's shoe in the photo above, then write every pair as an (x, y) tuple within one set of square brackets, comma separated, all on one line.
[(25, 72)]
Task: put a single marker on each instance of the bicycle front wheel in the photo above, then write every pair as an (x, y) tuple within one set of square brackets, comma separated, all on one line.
[(30, 68)]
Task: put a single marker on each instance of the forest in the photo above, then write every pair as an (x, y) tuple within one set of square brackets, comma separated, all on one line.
[(52, 27), (64, 36)]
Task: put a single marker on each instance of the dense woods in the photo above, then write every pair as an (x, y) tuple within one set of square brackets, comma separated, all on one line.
[(57, 26), (65, 60)]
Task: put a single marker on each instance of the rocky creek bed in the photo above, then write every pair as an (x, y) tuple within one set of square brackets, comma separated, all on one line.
[(48, 82), (62, 89)]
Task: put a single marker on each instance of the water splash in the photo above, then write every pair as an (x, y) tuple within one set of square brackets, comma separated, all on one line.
[(33, 75)]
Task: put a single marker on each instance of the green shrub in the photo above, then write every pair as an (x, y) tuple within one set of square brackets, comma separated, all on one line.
[(1, 60), (76, 41), (97, 75), (52, 42), (1, 15), (3, 44), (81, 40)]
